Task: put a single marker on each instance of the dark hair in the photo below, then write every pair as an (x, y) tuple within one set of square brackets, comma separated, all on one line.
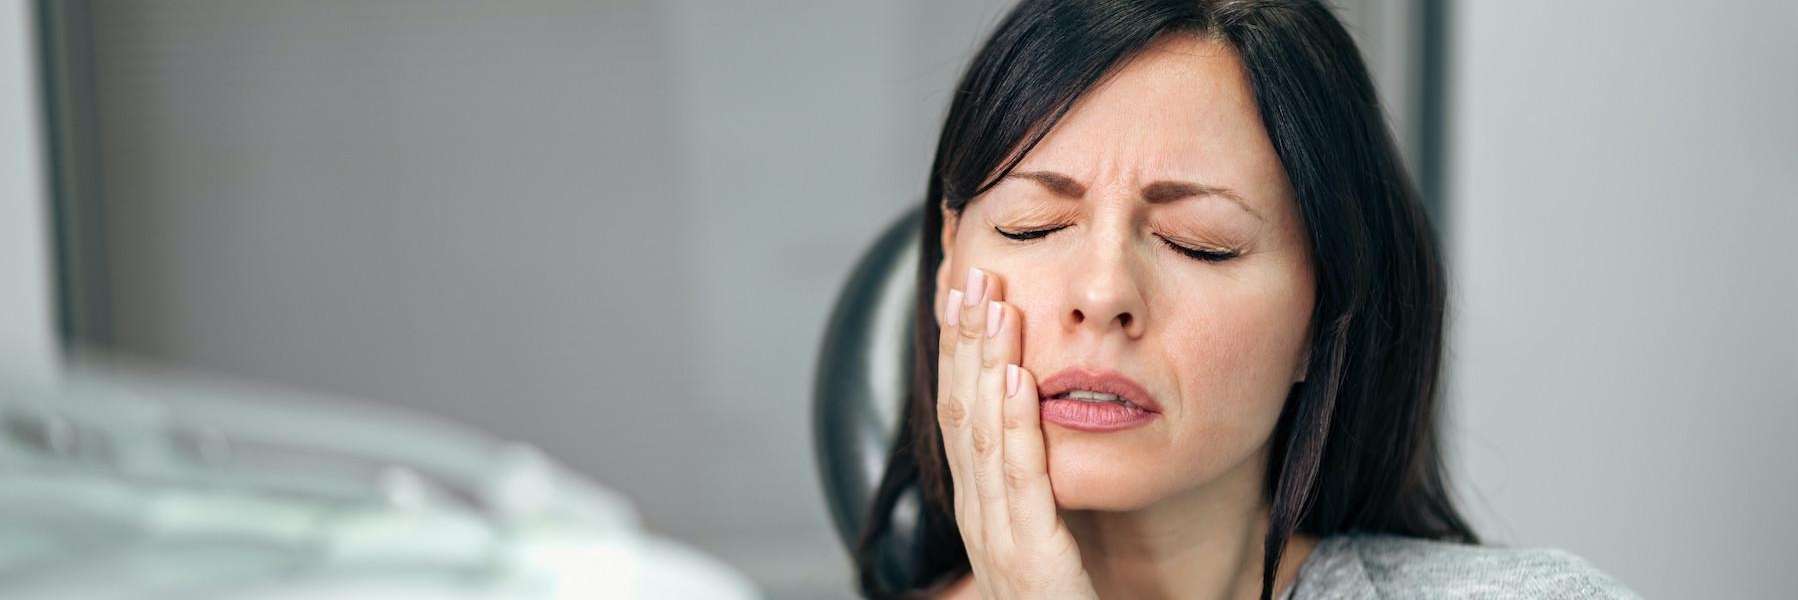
[(1355, 448)]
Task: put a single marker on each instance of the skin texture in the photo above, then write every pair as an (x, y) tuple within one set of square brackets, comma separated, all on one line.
[(1174, 508)]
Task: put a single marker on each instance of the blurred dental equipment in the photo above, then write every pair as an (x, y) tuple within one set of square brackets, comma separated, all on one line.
[(119, 484)]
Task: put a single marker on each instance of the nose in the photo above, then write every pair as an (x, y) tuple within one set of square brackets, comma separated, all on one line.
[(1107, 296)]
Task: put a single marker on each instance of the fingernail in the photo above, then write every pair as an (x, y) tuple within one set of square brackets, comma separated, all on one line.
[(953, 314), (976, 286), (1011, 380), (993, 314)]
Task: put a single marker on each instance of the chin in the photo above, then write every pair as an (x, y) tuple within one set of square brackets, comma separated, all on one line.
[(1106, 472)]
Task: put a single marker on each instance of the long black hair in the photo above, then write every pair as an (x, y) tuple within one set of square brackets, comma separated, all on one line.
[(1356, 447)]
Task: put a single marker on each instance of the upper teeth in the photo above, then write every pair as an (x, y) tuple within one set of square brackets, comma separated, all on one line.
[(1088, 396)]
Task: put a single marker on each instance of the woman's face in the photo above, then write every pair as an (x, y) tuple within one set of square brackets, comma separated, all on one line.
[(1170, 150)]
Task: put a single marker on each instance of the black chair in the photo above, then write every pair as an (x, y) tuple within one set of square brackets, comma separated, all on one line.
[(860, 386)]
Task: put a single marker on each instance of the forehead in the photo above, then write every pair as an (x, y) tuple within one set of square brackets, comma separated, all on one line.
[(1181, 109)]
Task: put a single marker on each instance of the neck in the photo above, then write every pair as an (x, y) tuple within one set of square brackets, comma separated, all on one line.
[(1206, 543)]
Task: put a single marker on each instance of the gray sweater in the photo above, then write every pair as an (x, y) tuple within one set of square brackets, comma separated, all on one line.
[(1369, 566)]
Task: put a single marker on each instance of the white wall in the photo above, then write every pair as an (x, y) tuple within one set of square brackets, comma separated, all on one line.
[(1624, 181), (28, 347)]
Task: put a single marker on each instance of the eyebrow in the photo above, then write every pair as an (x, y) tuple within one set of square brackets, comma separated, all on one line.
[(1160, 192)]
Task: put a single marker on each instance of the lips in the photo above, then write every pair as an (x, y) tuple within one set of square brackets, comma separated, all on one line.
[(1096, 401), (1069, 380)]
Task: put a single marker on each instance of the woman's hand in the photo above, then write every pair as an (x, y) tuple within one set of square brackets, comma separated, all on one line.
[(992, 433)]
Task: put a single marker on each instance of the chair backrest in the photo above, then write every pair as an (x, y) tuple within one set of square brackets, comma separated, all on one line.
[(860, 384)]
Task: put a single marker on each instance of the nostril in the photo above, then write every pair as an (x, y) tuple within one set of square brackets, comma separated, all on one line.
[(1124, 320)]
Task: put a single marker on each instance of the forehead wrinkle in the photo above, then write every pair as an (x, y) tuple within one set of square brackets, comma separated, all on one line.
[(1113, 140), (1159, 192)]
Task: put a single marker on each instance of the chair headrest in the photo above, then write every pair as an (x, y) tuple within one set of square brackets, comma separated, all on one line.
[(862, 370)]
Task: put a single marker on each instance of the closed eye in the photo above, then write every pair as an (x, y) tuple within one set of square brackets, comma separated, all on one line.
[(1190, 252), (1029, 234), (1200, 253)]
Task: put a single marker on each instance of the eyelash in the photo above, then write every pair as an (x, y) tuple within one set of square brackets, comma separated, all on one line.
[(1029, 234), (1197, 254), (1193, 253)]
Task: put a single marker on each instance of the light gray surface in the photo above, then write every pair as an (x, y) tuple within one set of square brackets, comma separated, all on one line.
[(1626, 348), (28, 347)]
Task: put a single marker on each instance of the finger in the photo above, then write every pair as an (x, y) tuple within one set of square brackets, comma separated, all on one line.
[(971, 333), (999, 350), (976, 292), (1030, 499), (951, 411)]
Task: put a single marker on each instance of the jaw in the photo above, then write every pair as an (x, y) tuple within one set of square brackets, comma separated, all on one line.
[(1144, 469), (1106, 471)]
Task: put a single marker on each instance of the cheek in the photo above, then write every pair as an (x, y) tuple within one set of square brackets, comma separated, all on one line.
[(1217, 353), (1225, 352), (1044, 343), (1234, 367), (1032, 288)]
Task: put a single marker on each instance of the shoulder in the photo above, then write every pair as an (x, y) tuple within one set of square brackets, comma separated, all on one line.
[(1391, 566)]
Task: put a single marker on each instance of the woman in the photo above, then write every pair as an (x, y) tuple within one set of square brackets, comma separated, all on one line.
[(1179, 328)]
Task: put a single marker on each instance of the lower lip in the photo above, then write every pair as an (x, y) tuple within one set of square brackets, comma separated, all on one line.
[(1094, 416)]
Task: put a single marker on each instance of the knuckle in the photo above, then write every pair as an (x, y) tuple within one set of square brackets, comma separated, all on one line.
[(971, 331), (1017, 476), (990, 360), (1013, 423), (951, 412), (982, 441)]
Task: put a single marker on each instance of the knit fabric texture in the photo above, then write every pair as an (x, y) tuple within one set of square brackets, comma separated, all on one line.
[(1367, 566)]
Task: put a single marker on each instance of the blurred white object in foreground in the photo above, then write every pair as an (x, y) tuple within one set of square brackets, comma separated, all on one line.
[(116, 486)]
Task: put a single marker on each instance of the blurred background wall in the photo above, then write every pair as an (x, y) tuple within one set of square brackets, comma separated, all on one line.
[(28, 347), (614, 230), (611, 229), (1625, 353)]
